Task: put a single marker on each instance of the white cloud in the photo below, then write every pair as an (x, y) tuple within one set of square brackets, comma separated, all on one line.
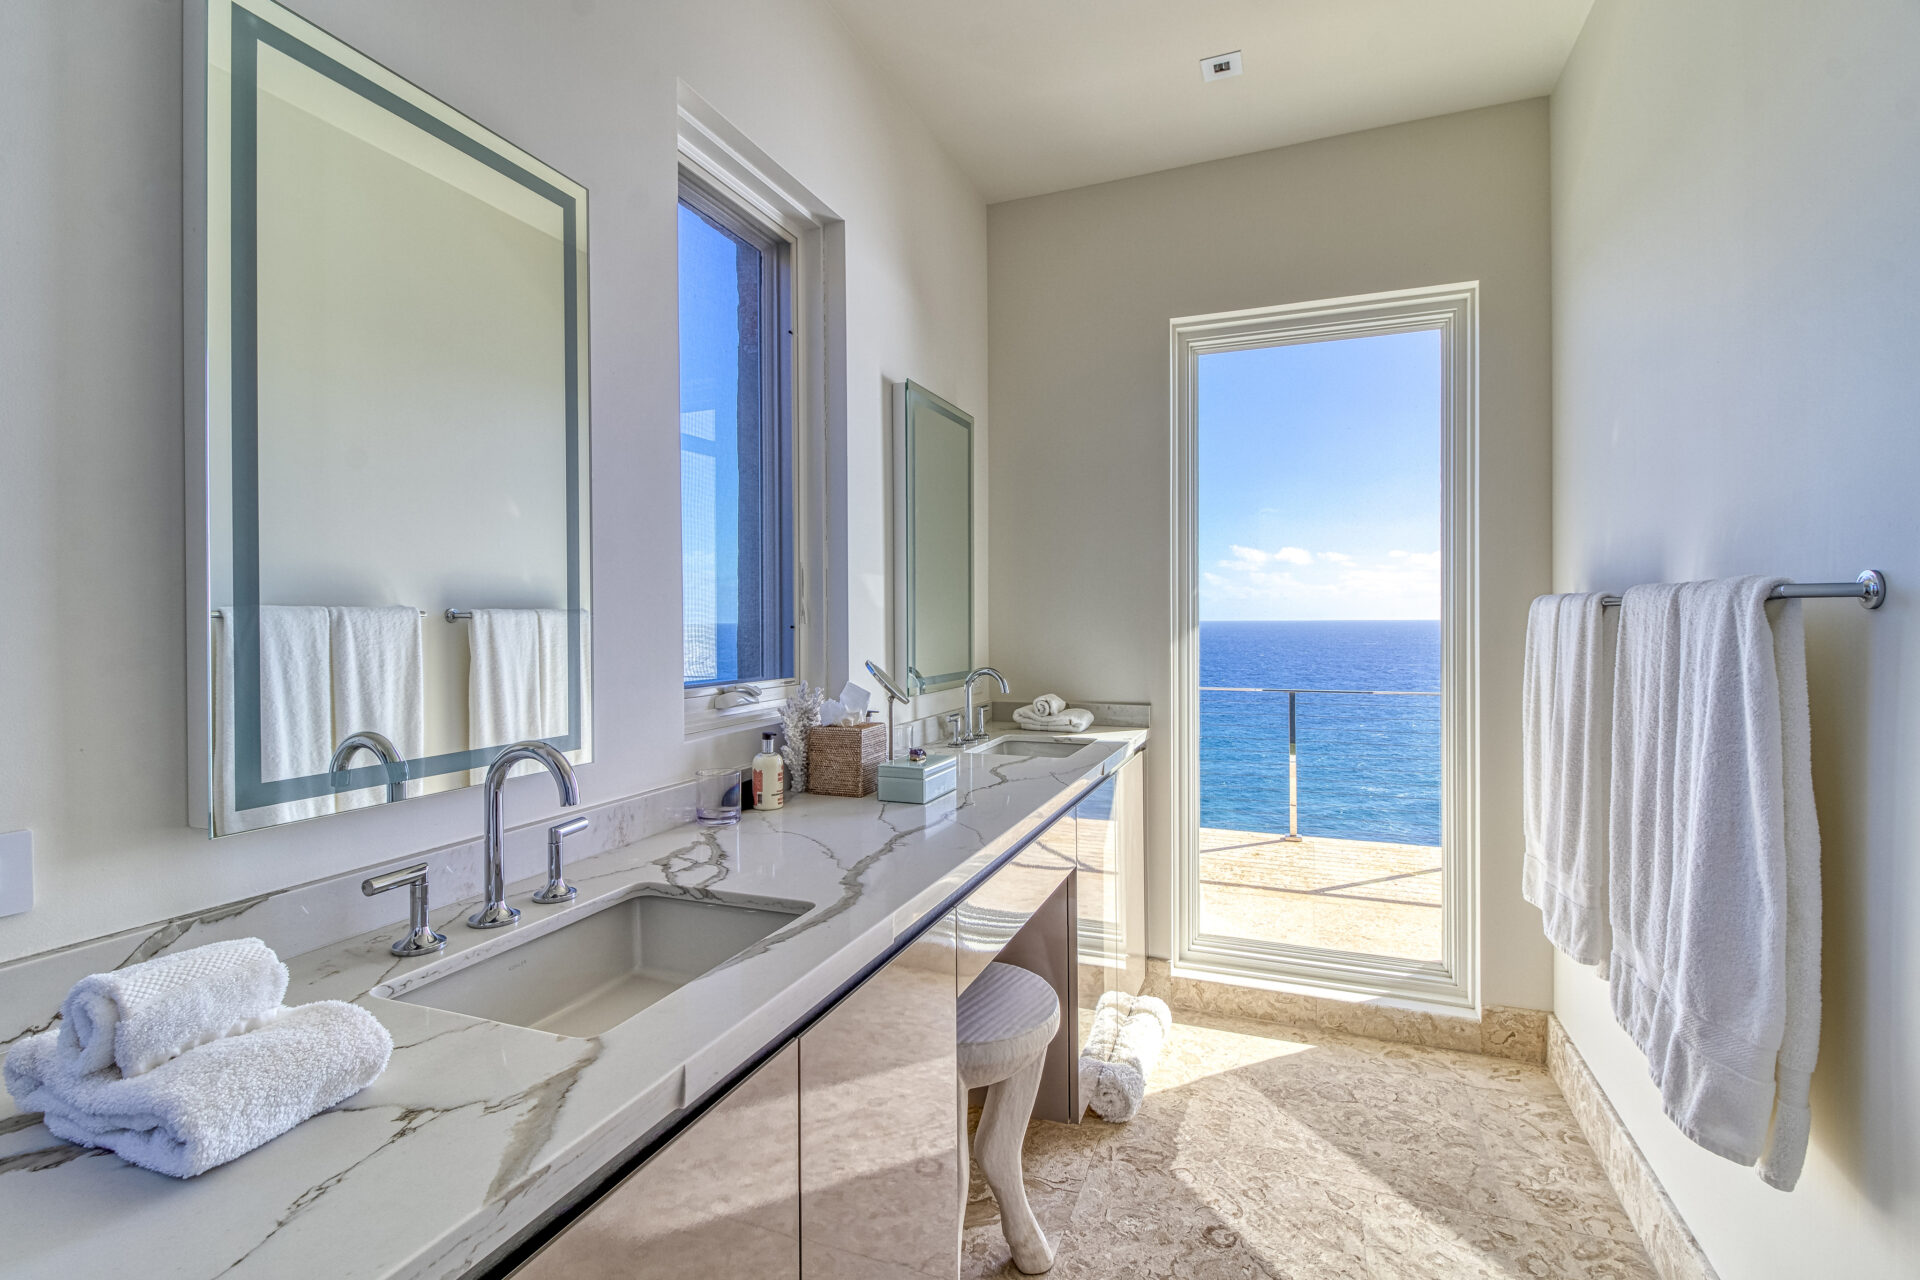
[(1295, 583)]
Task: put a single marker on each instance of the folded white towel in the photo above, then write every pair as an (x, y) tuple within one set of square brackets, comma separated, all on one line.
[(1049, 704), (1566, 705), (145, 1014), (1121, 1051), (1072, 720), (1715, 882), (208, 1106)]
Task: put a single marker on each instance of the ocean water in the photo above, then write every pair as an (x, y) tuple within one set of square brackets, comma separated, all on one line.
[(1369, 766)]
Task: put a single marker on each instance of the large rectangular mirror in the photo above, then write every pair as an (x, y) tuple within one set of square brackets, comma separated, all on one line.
[(933, 543), (390, 391)]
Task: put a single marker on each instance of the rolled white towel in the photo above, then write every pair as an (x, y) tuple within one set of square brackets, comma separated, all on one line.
[(1121, 1051), (213, 1104), (1072, 720), (145, 1014), (1048, 704)]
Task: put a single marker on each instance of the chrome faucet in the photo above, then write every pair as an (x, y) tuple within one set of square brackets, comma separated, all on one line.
[(380, 745), (972, 733), (495, 912)]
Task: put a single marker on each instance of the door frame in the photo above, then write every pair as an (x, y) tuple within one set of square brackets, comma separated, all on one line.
[(1453, 311)]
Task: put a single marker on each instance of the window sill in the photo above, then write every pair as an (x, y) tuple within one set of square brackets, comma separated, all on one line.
[(703, 720)]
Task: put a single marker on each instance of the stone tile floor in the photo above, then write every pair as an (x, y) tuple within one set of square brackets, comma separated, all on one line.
[(1277, 1152)]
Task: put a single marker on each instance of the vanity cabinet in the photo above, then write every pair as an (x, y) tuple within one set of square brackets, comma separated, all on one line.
[(1109, 841), (879, 1150), (850, 1128), (721, 1199)]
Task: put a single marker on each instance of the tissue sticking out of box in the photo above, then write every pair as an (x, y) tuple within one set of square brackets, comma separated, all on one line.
[(848, 707)]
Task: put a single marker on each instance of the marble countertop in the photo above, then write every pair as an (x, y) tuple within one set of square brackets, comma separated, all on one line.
[(478, 1129)]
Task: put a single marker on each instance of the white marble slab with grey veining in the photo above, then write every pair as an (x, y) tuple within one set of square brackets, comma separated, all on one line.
[(478, 1129)]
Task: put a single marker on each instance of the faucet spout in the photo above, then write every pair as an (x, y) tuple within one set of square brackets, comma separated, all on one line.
[(494, 912), (972, 732), (380, 746)]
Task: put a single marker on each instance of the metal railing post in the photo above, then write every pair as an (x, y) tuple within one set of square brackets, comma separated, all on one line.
[(1293, 767)]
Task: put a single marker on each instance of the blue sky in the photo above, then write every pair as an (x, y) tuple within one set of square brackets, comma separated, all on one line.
[(709, 406), (1319, 484)]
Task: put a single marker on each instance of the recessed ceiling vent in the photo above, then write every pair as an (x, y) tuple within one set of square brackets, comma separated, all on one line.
[(1220, 66)]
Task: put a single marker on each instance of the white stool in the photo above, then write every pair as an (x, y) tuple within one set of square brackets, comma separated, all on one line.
[(1006, 1020)]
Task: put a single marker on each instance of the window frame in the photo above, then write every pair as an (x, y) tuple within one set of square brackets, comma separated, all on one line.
[(723, 180), (1453, 311)]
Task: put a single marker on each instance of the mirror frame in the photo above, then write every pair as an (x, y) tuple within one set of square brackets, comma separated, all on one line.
[(251, 24), (910, 399)]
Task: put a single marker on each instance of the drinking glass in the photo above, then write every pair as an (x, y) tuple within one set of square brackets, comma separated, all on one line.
[(716, 797)]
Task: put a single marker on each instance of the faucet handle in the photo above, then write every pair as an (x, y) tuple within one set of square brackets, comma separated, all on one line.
[(956, 723), (558, 890), (420, 939)]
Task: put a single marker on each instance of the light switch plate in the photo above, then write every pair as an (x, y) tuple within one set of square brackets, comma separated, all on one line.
[(16, 872)]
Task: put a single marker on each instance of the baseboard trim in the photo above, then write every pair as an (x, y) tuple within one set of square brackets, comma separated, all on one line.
[(1499, 1031), (1675, 1254)]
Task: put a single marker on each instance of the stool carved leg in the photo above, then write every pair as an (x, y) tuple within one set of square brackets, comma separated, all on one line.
[(996, 1145)]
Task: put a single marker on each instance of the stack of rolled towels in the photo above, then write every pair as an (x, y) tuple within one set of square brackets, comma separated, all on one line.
[(186, 1061), (1120, 1053), (1049, 713)]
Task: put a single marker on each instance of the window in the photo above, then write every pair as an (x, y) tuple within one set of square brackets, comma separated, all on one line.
[(736, 456)]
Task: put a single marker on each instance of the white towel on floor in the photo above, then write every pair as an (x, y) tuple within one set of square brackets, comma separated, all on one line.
[(1715, 882), (379, 684), (1072, 720), (213, 1103), (1121, 1050), (1566, 705), (295, 712), (136, 1018), (1048, 704)]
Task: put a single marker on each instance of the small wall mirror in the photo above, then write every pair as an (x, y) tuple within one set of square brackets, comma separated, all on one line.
[(388, 354), (933, 541)]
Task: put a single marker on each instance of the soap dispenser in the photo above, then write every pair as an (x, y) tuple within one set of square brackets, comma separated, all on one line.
[(769, 783)]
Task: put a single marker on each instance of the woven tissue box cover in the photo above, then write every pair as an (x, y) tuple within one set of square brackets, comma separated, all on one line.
[(844, 760)]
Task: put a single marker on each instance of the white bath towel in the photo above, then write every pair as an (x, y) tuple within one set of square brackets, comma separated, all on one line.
[(379, 684), (136, 1018), (1072, 720), (1566, 705), (518, 680), (295, 712), (1121, 1050), (213, 1103), (1048, 704), (1714, 883)]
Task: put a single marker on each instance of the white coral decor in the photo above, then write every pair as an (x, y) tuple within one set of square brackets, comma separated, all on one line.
[(798, 717)]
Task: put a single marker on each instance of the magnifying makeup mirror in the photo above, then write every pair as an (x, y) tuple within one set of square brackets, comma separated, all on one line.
[(894, 694)]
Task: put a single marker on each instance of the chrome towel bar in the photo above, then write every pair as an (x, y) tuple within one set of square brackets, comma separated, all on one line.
[(1870, 589)]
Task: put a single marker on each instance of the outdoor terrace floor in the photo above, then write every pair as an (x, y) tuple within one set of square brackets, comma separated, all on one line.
[(1343, 895)]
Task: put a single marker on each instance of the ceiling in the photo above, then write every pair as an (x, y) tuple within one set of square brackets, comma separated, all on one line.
[(1031, 96)]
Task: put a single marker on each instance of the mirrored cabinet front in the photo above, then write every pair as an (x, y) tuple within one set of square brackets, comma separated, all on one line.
[(391, 364)]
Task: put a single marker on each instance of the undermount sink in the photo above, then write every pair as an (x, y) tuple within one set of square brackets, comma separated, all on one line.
[(1030, 748), (597, 970)]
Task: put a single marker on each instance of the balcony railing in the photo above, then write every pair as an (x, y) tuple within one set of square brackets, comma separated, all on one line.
[(1293, 732)]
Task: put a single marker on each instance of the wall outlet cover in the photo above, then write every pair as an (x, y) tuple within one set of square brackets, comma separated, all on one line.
[(16, 872)]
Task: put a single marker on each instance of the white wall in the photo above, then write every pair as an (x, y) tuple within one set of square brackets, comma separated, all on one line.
[(1082, 285), (1736, 232), (91, 668)]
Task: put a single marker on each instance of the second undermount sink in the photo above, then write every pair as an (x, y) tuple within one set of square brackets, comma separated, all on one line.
[(1030, 748), (599, 969)]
